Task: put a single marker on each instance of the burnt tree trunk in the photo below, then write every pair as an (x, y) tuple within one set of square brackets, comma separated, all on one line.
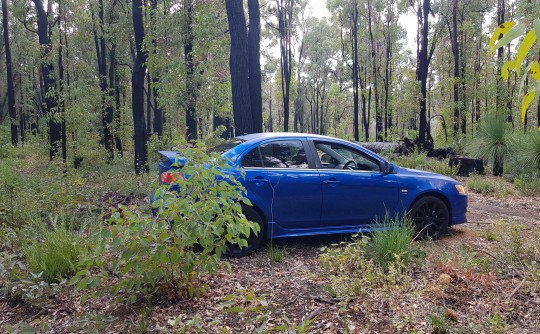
[(354, 31), (50, 103), (191, 94), (137, 90), (254, 49), (378, 116), (9, 72), (239, 62), (285, 18)]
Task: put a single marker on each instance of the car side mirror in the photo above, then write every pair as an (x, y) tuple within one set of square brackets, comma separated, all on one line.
[(388, 168)]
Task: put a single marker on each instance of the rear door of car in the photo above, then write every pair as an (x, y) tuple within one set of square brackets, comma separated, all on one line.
[(282, 180), (353, 196)]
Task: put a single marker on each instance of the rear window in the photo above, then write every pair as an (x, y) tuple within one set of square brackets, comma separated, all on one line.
[(226, 145)]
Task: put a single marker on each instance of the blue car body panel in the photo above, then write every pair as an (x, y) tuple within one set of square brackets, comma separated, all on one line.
[(314, 200)]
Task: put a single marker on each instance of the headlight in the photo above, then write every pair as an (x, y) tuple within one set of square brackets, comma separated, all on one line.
[(461, 189)]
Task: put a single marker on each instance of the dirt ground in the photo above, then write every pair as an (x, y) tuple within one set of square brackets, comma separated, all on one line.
[(296, 289)]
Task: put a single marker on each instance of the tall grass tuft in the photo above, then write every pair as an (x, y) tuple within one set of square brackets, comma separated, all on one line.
[(392, 241), (56, 256), (491, 142)]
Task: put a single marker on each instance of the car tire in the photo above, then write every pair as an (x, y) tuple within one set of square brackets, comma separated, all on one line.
[(431, 217), (254, 240)]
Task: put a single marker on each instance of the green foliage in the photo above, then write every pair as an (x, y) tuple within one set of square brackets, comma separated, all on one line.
[(525, 154), (420, 161), (528, 185), (56, 256), (481, 184), (392, 242), (187, 237), (439, 323), (497, 324), (507, 32), (491, 142), (359, 267), (276, 253)]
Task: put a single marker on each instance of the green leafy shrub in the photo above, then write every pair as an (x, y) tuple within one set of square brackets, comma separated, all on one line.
[(187, 237), (392, 242), (56, 256)]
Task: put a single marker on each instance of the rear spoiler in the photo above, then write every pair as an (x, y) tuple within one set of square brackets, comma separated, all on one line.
[(171, 157)]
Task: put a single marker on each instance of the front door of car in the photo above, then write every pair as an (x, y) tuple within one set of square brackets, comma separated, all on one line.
[(279, 181), (355, 190)]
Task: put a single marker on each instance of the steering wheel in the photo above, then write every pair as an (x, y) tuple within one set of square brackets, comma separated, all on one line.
[(351, 164)]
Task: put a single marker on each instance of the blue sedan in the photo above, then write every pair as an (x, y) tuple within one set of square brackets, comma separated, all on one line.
[(304, 184)]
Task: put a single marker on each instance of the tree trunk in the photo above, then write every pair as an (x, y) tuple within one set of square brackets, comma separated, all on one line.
[(422, 71), (158, 110), (239, 64), (47, 78), (378, 116), (114, 82), (62, 105), (137, 91), (9, 71), (254, 49), (191, 94), (285, 18), (106, 105), (355, 78)]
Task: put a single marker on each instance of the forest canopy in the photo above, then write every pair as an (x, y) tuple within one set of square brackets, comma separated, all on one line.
[(116, 76)]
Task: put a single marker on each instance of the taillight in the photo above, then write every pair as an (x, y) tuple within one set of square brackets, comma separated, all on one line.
[(170, 177)]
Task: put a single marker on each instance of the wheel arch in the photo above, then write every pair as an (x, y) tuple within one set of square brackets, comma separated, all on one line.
[(259, 212), (440, 196)]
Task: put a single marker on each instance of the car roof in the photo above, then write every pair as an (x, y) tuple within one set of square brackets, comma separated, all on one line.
[(253, 136)]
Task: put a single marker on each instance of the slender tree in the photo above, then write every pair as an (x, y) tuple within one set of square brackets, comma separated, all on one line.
[(9, 72), (191, 91), (254, 49)]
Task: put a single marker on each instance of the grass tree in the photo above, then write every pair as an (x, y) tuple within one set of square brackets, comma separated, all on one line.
[(492, 141)]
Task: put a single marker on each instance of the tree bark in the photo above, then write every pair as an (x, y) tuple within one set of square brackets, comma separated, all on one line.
[(254, 49), (9, 72), (285, 18), (374, 56), (422, 70), (354, 31), (239, 63), (47, 79), (191, 94), (137, 91)]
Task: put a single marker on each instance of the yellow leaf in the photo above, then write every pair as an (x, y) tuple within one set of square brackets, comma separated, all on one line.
[(526, 102), (535, 70), (507, 67), (501, 30), (524, 48)]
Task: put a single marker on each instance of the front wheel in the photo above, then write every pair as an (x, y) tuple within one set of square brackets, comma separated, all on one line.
[(254, 240), (431, 217)]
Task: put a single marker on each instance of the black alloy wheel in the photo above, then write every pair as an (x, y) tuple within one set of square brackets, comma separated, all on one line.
[(431, 217)]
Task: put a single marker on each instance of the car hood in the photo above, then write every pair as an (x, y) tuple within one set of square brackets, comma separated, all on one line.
[(421, 173)]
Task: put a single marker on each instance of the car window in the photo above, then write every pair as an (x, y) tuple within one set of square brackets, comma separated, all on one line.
[(278, 154), (337, 156)]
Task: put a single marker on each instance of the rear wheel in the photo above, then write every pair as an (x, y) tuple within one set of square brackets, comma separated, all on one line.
[(431, 217), (254, 240)]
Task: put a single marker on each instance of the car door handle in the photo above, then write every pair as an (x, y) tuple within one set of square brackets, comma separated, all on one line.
[(331, 181), (258, 180)]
